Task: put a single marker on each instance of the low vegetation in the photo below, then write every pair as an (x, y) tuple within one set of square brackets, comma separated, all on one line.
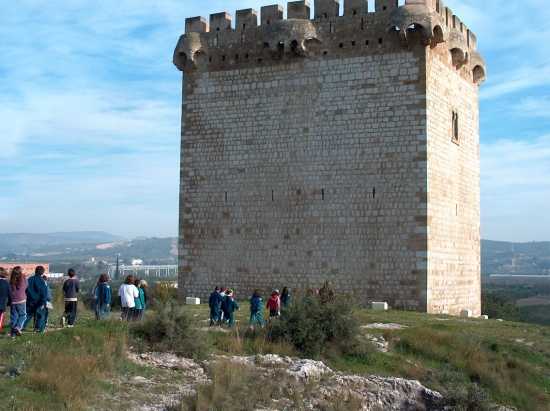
[(474, 363)]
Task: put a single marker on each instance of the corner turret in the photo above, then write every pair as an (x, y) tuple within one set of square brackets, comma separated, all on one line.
[(217, 45)]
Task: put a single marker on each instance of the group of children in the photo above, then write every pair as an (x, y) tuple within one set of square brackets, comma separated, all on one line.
[(133, 298), (222, 306), (30, 299)]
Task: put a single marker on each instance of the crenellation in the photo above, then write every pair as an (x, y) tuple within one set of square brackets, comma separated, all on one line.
[(271, 14), (355, 7), (385, 5), (327, 8), (298, 10), (325, 146), (220, 21), (246, 19), (196, 24)]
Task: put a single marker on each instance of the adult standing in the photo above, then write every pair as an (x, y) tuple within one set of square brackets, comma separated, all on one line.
[(103, 297), (143, 286), (215, 302), (71, 288), (128, 293), (18, 308), (6, 295), (139, 301), (37, 298)]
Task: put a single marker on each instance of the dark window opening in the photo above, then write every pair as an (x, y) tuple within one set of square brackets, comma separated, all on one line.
[(210, 59), (281, 46), (236, 56), (217, 29), (226, 196), (362, 23), (353, 43), (272, 195), (455, 126), (373, 192), (268, 22), (325, 14), (379, 41), (223, 58), (366, 43), (244, 26), (384, 8), (341, 45), (322, 194), (325, 52), (246, 56), (259, 60), (354, 12)]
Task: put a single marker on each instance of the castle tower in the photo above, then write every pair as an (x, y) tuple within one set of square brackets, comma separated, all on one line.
[(332, 145)]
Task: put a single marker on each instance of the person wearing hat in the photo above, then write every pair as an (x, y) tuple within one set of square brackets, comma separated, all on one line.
[(143, 285), (215, 302)]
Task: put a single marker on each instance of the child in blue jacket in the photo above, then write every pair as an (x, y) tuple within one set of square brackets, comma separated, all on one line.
[(229, 307), (256, 308)]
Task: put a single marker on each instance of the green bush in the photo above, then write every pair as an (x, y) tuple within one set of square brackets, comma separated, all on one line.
[(316, 326), (474, 398), (171, 329), (498, 305), (161, 293)]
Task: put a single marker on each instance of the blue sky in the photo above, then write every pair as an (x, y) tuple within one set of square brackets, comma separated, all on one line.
[(90, 114)]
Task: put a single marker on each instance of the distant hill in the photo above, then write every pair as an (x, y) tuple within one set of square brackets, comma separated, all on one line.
[(29, 242), (500, 257)]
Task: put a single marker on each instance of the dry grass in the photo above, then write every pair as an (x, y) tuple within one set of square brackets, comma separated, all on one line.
[(237, 386), (245, 341)]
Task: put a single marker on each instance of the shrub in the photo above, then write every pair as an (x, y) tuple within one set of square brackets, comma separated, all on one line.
[(162, 292), (236, 387), (498, 305), (316, 326), (171, 329)]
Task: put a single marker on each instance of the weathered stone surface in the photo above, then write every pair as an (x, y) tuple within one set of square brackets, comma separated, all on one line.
[(345, 146)]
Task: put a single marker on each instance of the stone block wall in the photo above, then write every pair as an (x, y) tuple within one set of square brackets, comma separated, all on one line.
[(324, 148)]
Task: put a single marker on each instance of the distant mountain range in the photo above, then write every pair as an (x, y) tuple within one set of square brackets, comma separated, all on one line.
[(28, 242), (497, 257)]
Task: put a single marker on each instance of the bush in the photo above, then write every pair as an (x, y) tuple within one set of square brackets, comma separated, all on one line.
[(171, 329), (161, 293), (475, 398), (317, 326), (498, 305)]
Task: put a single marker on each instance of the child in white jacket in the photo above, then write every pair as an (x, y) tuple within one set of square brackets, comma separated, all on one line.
[(128, 292)]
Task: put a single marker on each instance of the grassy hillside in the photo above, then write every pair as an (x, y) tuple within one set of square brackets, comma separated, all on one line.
[(82, 368)]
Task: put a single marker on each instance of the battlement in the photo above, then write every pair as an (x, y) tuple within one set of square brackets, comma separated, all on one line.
[(257, 38)]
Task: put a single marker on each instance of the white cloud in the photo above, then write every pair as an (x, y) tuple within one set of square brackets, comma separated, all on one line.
[(90, 113)]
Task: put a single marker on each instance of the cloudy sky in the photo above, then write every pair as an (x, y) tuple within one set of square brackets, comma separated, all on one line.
[(90, 114)]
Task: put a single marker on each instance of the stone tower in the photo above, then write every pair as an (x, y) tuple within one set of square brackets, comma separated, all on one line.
[(327, 145)]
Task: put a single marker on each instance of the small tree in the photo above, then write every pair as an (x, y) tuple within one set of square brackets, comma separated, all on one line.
[(499, 305)]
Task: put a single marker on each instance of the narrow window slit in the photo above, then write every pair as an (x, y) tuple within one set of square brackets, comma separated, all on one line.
[(322, 194), (373, 192)]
